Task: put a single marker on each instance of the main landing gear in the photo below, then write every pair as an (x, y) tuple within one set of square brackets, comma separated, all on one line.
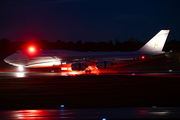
[(88, 71)]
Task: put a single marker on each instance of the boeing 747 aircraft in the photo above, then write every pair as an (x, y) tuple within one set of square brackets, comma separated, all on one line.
[(82, 61)]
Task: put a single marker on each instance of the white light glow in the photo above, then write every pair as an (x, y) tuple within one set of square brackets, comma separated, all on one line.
[(20, 74), (57, 63), (73, 73), (20, 68), (31, 49), (63, 63), (64, 74), (45, 64), (69, 68), (159, 113), (62, 106), (64, 68)]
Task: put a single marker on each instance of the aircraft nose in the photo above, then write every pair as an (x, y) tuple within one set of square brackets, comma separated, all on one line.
[(7, 59)]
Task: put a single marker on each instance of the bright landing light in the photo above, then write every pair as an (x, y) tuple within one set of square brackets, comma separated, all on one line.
[(20, 68), (20, 74)]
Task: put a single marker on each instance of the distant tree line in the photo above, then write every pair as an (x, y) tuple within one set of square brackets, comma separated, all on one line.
[(7, 47)]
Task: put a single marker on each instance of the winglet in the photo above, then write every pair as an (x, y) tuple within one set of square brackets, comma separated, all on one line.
[(156, 44)]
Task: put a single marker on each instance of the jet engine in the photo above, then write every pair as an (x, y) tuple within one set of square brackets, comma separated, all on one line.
[(103, 64), (78, 66)]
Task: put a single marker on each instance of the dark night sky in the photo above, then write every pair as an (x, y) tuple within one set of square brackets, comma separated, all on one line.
[(88, 20)]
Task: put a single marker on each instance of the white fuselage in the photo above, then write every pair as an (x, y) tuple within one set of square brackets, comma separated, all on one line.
[(58, 57), (43, 58)]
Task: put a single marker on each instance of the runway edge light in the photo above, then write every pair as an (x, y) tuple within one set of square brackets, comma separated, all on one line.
[(62, 106)]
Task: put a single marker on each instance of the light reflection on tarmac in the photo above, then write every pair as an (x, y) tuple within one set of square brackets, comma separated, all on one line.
[(93, 113), (173, 74)]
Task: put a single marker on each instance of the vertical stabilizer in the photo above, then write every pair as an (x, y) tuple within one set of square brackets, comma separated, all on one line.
[(156, 44)]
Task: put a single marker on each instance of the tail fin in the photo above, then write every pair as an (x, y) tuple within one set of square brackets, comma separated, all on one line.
[(156, 44)]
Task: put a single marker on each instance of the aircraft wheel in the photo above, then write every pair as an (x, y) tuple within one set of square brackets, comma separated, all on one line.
[(88, 71)]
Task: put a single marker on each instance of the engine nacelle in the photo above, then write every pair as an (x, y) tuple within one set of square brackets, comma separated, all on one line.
[(78, 66), (103, 64)]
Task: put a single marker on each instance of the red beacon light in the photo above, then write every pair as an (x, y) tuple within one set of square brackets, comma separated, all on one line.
[(143, 57), (31, 50)]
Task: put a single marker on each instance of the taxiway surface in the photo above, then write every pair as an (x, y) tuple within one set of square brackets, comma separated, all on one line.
[(144, 85), (93, 113)]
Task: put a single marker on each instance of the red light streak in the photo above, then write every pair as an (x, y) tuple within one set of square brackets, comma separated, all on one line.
[(143, 112)]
